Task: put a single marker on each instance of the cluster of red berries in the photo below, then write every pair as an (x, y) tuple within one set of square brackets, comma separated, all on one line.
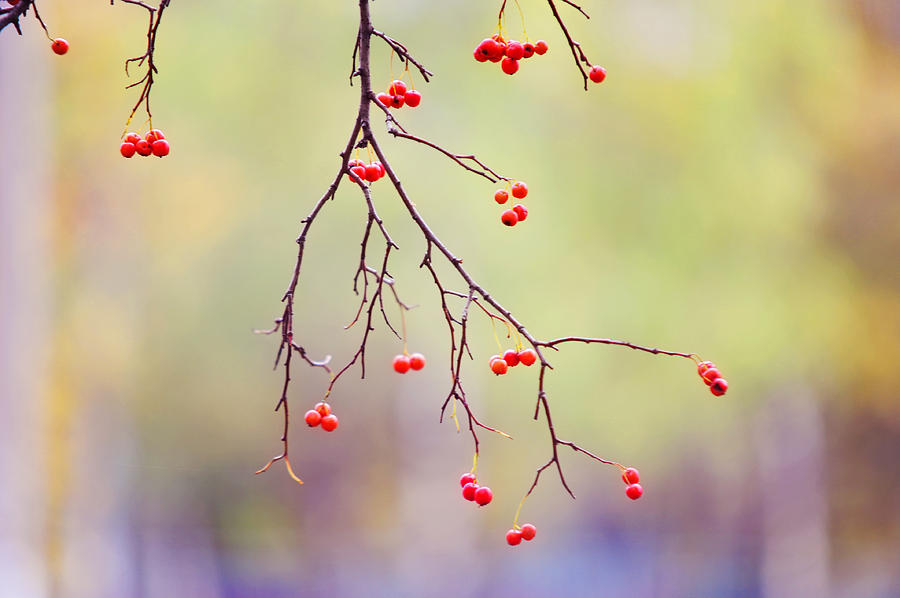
[(397, 96), (471, 491), (631, 477), (518, 212), (154, 142), (713, 378), (59, 45), (515, 536), (508, 54), (322, 414), (403, 363), (366, 172), (511, 358)]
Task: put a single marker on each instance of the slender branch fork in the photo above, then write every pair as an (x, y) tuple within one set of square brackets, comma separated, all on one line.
[(361, 136)]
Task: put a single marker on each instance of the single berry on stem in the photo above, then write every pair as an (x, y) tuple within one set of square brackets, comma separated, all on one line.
[(143, 148), (528, 532), (528, 49), (540, 48), (59, 46), (469, 491), (521, 211), (515, 50), (397, 102), (384, 99), (511, 357), (132, 138), (718, 387), (323, 409), (703, 366), (330, 423), (509, 218), (412, 98), (527, 357), (711, 374), (373, 173), (501, 196), (498, 365), (397, 88), (417, 361), (597, 74), (509, 66), (483, 495), (160, 148), (401, 364), (467, 478), (631, 476), (634, 491), (127, 149), (312, 418), (519, 190), (513, 537)]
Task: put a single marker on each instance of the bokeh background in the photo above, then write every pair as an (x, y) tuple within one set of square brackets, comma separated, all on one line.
[(731, 189)]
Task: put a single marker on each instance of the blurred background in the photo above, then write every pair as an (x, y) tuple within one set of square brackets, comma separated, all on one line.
[(731, 189)]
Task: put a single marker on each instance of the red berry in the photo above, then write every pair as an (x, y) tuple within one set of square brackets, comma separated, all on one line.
[(509, 218), (355, 162), (60, 46), (373, 173), (631, 476), (467, 478), (718, 387), (397, 88), (483, 495), (528, 49), (515, 50), (127, 149), (401, 364), (312, 418), (519, 190), (397, 101), (330, 423), (160, 148), (13, 2), (703, 366), (469, 491), (417, 361), (153, 135), (359, 171), (132, 138), (511, 357), (634, 491), (513, 537), (521, 211), (540, 48), (384, 99), (711, 374), (501, 196), (509, 66), (380, 168), (527, 357), (597, 74), (498, 366), (412, 98), (323, 409), (143, 148), (528, 532), (480, 55)]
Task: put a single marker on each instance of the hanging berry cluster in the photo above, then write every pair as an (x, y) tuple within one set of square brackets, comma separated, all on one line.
[(508, 54), (631, 477), (398, 96), (366, 172), (403, 362), (518, 212), (712, 377), (154, 142), (321, 415), (515, 536), (511, 358), (471, 491)]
